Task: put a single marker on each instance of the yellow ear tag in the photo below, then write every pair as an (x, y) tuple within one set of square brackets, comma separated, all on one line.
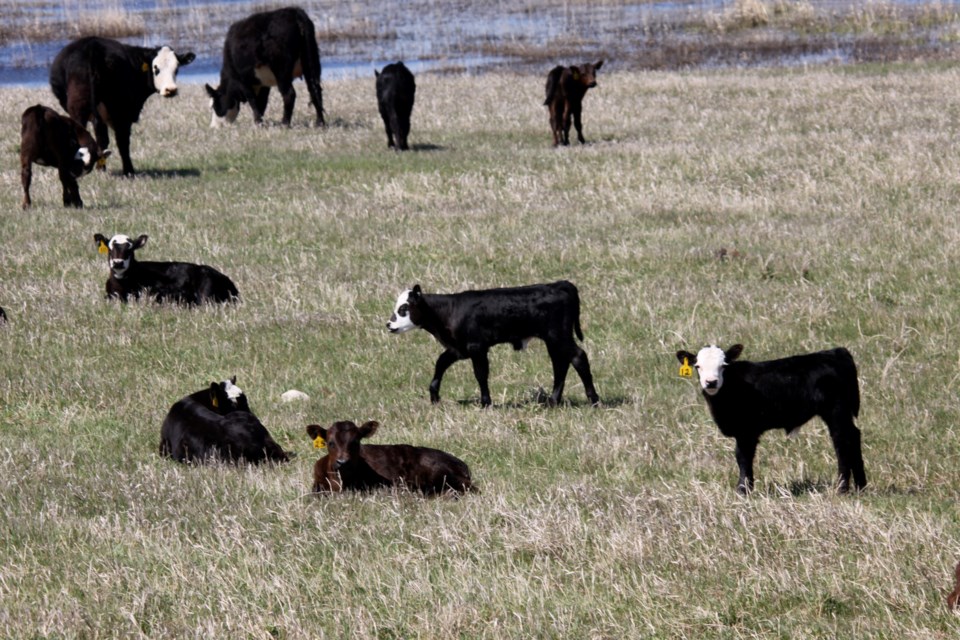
[(686, 371), (103, 247), (102, 162), (145, 67), (215, 403), (576, 75), (318, 443)]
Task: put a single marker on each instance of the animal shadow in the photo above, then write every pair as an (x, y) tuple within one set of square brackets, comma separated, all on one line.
[(168, 173), (427, 147)]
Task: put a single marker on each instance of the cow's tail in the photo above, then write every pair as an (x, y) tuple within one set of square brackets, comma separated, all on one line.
[(553, 84), (848, 376), (310, 59), (574, 294)]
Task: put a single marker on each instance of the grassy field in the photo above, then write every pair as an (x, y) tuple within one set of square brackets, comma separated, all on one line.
[(834, 193)]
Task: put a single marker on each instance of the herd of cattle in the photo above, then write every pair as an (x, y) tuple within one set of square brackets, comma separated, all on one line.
[(106, 83)]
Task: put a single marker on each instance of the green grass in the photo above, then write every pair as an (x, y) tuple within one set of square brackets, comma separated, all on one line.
[(834, 193)]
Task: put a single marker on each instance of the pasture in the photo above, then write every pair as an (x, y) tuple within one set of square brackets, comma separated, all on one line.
[(791, 210)]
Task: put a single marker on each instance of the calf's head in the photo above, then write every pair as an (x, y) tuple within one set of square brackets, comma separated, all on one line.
[(343, 440), (709, 363), (407, 311), (86, 158), (586, 74), (226, 396), (164, 67), (225, 106), (120, 251)]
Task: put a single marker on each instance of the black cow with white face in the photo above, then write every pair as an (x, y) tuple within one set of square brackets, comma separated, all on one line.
[(180, 282), (467, 324), (268, 49), (107, 82)]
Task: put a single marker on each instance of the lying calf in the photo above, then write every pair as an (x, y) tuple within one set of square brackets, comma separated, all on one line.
[(350, 465)]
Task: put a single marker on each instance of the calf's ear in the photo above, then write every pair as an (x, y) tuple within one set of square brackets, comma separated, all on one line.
[(214, 392), (368, 429), (314, 430), (186, 58), (416, 292), (598, 65), (102, 243), (140, 242), (733, 352), (686, 355)]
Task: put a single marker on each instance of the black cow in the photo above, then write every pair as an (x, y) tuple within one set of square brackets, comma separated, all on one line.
[(395, 93), (566, 87), (748, 398), (180, 282), (106, 82), (216, 424), (266, 50), (467, 324), (50, 139)]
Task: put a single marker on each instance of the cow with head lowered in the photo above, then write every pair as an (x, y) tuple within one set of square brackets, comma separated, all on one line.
[(268, 49), (107, 82), (467, 324), (50, 139), (179, 282), (566, 87)]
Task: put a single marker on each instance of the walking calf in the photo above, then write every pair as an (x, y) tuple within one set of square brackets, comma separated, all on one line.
[(216, 423), (50, 139), (467, 324), (748, 398), (350, 465), (566, 87), (396, 89), (180, 282)]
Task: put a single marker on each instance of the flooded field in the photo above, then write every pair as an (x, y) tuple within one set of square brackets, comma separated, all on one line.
[(456, 35)]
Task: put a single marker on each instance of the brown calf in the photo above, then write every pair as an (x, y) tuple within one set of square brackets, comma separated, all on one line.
[(348, 465), (50, 139), (954, 598), (566, 87)]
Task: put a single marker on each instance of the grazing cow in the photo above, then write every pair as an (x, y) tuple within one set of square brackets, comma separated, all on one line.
[(106, 82), (748, 398), (566, 87), (180, 282), (467, 324), (216, 423), (395, 93), (348, 465), (954, 598), (50, 139), (266, 50)]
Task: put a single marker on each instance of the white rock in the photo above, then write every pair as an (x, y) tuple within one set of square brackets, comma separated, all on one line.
[(293, 394)]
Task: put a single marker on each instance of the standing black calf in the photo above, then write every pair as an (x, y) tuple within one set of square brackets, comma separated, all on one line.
[(566, 87), (181, 282), (395, 93), (748, 398), (467, 324)]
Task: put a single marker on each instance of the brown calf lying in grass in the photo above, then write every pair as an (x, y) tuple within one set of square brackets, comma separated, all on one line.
[(566, 87), (348, 465), (954, 596)]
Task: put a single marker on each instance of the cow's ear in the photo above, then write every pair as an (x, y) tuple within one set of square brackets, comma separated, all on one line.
[(368, 429), (733, 352), (103, 246), (186, 58), (416, 292), (686, 355), (598, 65), (233, 380), (314, 430), (376, 74), (210, 91), (140, 242), (214, 393)]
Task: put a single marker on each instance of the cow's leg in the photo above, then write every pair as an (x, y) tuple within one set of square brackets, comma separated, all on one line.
[(404, 124), (745, 451), (560, 356), (122, 131), (102, 134), (481, 369), (566, 123), (846, 443), (446, 359), (397, 126), (386, 126), (260, 101), (285, 87), (71, 190), (577, 124), (555, 123), (26, 177), (582, 365), (316, 98)]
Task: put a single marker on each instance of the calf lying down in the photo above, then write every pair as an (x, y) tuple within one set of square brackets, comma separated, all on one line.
[(749, 398), (216, 424), (350, 465)]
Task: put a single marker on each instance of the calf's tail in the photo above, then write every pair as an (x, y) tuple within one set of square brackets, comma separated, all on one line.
[(553, 84), (852, 383)]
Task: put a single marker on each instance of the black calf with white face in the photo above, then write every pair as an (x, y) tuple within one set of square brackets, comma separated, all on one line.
[(748, 398), (120, 251)]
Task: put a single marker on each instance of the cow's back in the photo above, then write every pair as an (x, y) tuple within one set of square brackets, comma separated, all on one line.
[(102, 71)]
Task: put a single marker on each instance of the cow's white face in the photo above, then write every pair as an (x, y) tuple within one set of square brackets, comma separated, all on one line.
[(710, 363), (400, 321), (233, 391), (228, 118), (165, 67)]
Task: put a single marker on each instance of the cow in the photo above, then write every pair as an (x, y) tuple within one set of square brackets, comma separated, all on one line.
[(216, 424), (349, 465), (266, 50), (467, 324), (566, 87), (180, 282), (954, 598), (395, 93), (748, 398), (106, 82), (52, 140)]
